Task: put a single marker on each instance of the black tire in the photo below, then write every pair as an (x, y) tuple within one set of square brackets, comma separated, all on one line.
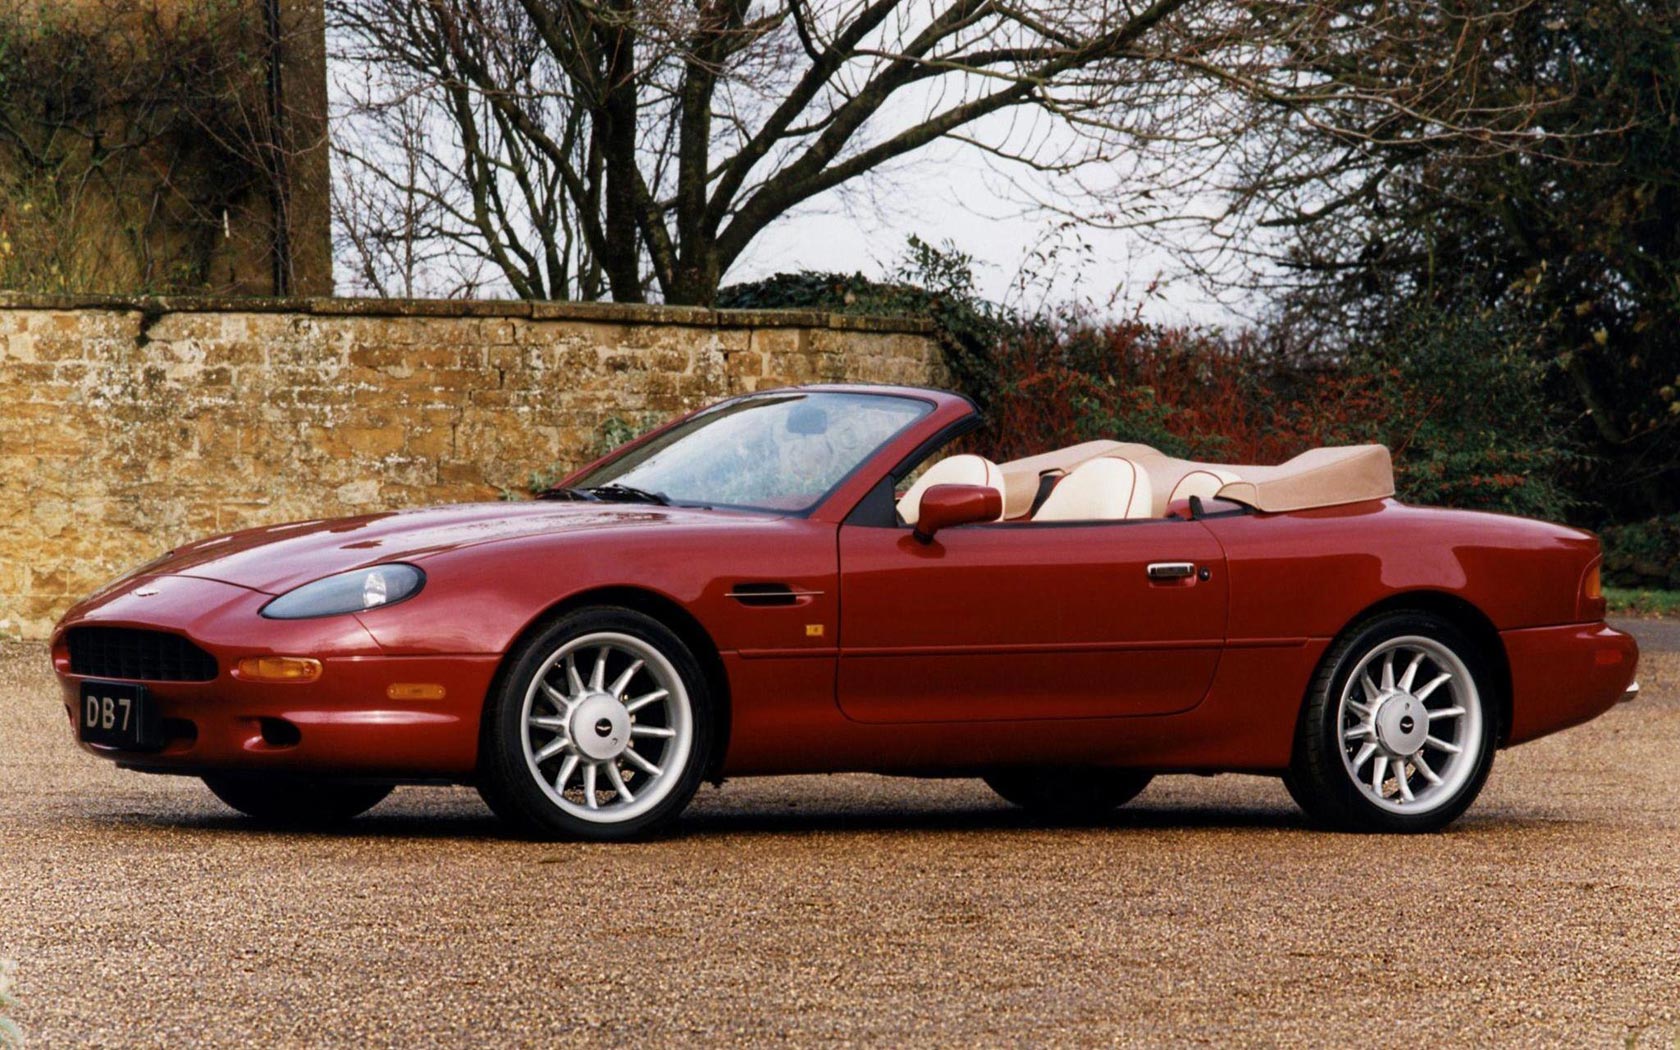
[(1321, 777), (1068, 792), (509, 769), (295, 801)]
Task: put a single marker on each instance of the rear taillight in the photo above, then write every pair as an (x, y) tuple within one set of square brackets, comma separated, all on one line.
[(1590, 606)]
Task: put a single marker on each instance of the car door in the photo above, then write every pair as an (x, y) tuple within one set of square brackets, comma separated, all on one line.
[(1029, 621)]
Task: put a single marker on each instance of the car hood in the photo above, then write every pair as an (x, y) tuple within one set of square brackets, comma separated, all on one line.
[(274, 559)]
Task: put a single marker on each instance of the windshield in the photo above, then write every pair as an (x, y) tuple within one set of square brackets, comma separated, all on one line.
[(779, 452)]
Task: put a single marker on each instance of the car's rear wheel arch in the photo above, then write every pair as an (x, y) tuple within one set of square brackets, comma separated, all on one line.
[(670, 614), (1470, 621)]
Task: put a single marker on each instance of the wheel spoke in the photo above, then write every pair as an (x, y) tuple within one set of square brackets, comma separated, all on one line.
[(1423, 768), (589, 798), (552, 748), (1370, 687), (1441, 745), (1434, 684), (1405, 785), (1410, 676), (616, 779), (642, 764), (1362, 710), (622, 682), (598, 673), (1446, 712), (567, 768), (1363, 756), (1388, 671), (552, 723), (658, 731), (645, 699), (1358, 732), (1379, 773), (574, 681), (555, 696)]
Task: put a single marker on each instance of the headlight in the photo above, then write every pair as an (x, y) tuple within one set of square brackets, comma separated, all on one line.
[(348, 592)]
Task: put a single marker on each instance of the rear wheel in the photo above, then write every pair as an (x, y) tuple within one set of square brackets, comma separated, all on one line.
[(292, 800), (1398, 730), (1068, 792), (600, 729)]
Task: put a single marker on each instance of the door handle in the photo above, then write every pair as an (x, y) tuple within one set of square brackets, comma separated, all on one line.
[(1172, 570)]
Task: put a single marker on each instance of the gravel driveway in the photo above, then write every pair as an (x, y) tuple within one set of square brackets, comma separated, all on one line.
[(850, 910)]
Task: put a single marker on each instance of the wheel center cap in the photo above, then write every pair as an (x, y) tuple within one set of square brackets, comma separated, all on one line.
[(1402, 724), (600, 727)]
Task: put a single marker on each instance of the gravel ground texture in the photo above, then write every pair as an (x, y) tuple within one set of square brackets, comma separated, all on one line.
[(849, 910)]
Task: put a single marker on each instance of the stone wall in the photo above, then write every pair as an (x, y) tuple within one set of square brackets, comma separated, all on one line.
[(128, 426)]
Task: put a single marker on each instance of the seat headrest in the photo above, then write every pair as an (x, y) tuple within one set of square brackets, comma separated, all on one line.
[(1111, 488), (952, 470)]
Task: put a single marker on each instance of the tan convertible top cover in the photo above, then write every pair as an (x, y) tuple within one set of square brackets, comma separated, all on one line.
[(1322, 477)]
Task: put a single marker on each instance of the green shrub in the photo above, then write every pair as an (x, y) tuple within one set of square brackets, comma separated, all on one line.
[(1643, 553), (1460, 399)]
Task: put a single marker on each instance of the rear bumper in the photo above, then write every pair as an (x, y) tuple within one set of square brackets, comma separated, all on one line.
[(1563, 676)]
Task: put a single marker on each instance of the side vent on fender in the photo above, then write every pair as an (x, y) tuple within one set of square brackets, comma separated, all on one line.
[(767, 595)]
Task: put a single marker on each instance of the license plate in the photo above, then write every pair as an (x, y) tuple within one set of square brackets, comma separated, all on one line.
[(119, 715)]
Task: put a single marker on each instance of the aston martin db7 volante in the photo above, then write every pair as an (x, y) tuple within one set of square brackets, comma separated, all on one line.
[(810, 580)]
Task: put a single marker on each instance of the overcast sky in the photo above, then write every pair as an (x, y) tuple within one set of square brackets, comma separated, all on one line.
[(963, 207)]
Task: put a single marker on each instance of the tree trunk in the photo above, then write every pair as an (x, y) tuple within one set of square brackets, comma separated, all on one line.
[(618, 141)]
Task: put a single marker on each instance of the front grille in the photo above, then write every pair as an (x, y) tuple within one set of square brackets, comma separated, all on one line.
[(135, 655)]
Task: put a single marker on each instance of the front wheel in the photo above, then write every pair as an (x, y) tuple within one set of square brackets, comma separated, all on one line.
[(600, 729), (1398, 730), (295, 801), (1068, 793)]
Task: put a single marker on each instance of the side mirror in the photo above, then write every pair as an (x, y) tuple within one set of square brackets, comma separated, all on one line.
[(945, 506)]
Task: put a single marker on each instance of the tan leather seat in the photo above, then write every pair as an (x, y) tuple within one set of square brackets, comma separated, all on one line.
[(1110, 488), (952, 470), (1021, 477)]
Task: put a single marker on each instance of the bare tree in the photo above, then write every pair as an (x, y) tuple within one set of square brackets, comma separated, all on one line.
[(625, 147)]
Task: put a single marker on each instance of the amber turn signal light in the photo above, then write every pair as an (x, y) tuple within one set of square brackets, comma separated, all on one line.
[(279, 669), (1593, 586), (415, 691)]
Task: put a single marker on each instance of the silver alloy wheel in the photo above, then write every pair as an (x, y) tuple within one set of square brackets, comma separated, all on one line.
[(1410, 720), (607, 727)]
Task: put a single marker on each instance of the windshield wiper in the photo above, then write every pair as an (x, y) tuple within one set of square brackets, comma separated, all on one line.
[(629, 494), (562, 494)]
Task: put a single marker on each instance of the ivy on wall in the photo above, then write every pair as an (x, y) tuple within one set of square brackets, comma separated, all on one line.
[(130, 145)]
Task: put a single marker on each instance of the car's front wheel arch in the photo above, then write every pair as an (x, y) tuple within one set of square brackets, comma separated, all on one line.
[(649, 603)]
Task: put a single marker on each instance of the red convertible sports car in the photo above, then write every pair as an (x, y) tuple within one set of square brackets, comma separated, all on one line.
[(809, 580)]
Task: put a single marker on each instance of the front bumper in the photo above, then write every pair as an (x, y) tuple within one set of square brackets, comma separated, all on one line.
[(1563, 676), (344, 723)]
